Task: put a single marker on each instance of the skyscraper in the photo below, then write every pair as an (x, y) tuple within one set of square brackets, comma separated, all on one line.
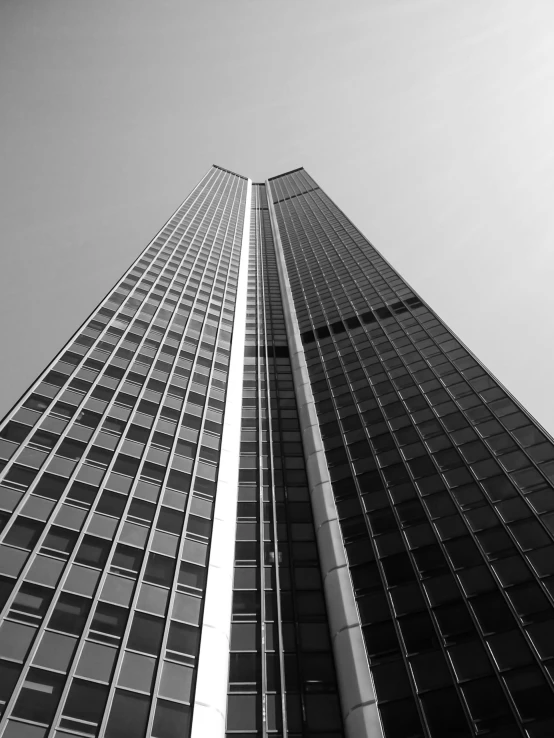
[(264, 491)]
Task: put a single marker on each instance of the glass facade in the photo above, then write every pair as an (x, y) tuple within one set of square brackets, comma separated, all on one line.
[(281, 673), (435, 542), (108, 486), (443, 486)]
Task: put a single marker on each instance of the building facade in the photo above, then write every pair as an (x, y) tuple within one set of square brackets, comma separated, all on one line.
[(264, 492)]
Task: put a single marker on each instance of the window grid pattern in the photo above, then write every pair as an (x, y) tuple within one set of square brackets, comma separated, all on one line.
[(109, 469), (443, 486), (282, 677)]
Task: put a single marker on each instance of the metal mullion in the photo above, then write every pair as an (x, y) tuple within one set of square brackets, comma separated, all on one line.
[(272, 499), (287, 227), (233, 195)]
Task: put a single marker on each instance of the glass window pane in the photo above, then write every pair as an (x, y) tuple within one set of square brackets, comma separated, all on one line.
[(146, 633), (86, 701), (55, 651), (39, 696), (69, 614), (171, 720), (24, 730), (244, 712), (323, 712), (32, 599), (24, 533), (128, 715), (9, 674), (96, 661), (176, 681), (137, 672), (183, 638), (187, 608), (15, 640), (109, 619)]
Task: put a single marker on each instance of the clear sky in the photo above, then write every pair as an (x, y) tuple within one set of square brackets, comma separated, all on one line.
[(430, 122)]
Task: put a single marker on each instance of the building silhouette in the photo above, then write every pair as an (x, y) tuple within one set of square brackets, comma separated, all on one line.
[(264, 491)]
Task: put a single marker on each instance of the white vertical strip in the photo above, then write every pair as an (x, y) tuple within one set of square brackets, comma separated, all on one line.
[(210, 701), (357, 695)]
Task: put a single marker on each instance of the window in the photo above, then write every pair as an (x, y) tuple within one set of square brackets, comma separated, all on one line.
[(9, 674), (43, 441), (127, 559), (485, 700), (85, 706), (112, 504), (32, 600), (93, 551), (176, 682), (171, 720), (146, 633), (50, 486), (96, 662), (15, 432), (24, 533), (137, 672), (71, 449), (69, 614), (82, 494), (128, 716), (443, 712), (244, 712), (109, 620), (15, 640), (184, 638), (55, 651), (39, 696), (59, 541)]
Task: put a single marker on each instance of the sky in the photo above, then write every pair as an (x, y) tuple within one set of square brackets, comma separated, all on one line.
[(429, 122)]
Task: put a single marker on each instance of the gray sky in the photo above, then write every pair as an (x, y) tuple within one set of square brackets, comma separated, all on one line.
[(430, 122)]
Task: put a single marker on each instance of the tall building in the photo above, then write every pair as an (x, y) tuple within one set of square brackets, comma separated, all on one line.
[(264, 492)]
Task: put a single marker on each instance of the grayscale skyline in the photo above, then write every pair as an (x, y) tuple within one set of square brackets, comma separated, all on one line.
[(428, 123)]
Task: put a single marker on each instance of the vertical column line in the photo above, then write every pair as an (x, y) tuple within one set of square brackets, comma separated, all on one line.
[(355, 683), (261, 248), (210, 702), (259, 439)]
